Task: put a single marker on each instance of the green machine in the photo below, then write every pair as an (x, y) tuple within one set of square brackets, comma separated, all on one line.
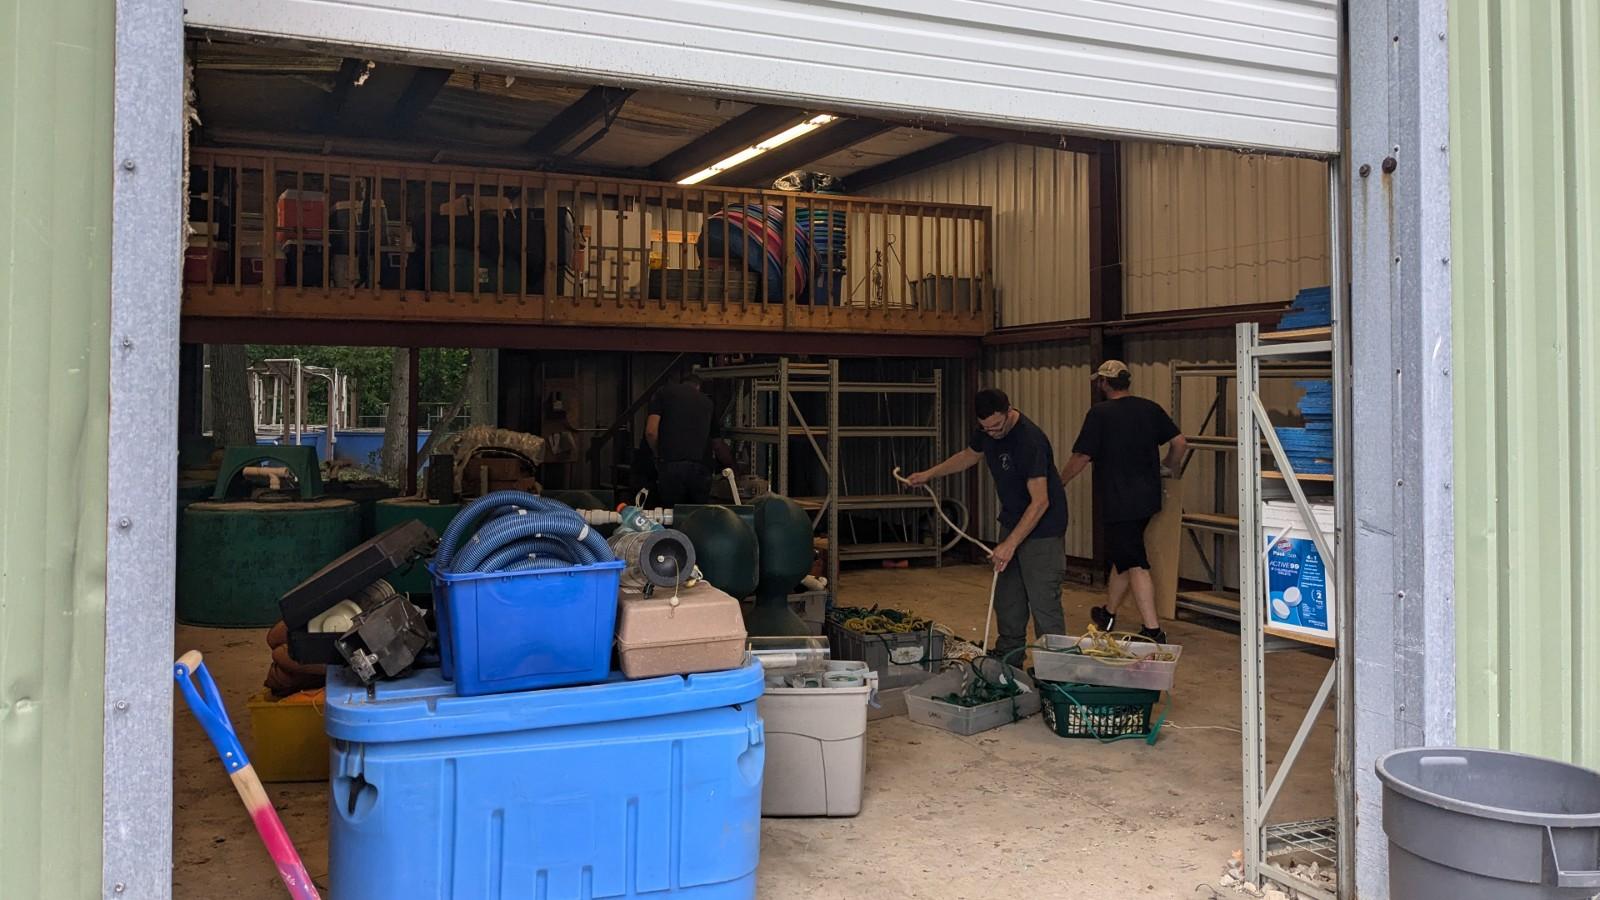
[(762, 549), (241, 550)]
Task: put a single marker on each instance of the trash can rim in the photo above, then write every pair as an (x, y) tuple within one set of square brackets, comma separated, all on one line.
[(1497, 813)]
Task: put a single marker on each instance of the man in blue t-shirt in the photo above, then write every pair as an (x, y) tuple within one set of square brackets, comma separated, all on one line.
[(1031, 556)]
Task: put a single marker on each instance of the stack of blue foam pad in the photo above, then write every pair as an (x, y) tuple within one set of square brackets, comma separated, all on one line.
[(1310, 449), (1312, 308)]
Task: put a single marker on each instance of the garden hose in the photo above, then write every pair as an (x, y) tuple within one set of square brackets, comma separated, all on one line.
[(513, 531), (994, 583)]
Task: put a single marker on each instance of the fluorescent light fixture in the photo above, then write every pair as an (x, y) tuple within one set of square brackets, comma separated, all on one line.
[(755, 150)]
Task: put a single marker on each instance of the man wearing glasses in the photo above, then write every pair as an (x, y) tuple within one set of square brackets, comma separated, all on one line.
[(1031, 557)]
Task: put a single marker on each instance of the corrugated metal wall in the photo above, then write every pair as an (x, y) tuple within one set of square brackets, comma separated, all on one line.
[(1206, 228), (1040, 199), (1525, 168), (55, 293)]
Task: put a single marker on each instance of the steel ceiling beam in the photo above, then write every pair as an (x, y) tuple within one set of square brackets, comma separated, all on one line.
[(725, 140), (343, 85), (593, 107), (419, 94), (539, 336)]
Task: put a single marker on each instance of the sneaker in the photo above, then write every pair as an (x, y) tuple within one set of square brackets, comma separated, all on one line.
[(1154, 634), (1102, 618)]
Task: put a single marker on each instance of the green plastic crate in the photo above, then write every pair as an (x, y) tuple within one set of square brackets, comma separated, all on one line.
[(1102, 713)]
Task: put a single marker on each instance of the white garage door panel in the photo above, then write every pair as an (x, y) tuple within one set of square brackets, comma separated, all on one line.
[(1252, 73)]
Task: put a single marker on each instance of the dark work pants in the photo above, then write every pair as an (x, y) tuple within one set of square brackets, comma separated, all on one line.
[(682, 482), (1031, 584)]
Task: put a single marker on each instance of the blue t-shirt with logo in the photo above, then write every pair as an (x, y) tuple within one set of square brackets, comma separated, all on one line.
[(1024, 453)]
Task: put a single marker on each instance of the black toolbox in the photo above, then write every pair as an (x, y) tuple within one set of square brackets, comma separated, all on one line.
[(372, 560)]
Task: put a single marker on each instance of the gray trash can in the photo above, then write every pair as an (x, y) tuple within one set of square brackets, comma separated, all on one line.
[(1486, 825)]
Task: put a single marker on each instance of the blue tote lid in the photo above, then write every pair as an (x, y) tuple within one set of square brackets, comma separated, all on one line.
[(423, 706)]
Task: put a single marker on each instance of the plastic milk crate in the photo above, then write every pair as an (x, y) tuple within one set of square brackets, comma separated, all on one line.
[(619, 790)]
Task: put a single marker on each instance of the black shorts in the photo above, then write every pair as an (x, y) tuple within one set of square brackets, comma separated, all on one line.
[(1125, 545)]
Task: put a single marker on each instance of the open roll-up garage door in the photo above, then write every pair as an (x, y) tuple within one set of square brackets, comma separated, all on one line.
[(1246, 73)]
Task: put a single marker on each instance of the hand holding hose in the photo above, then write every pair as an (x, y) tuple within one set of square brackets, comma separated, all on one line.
[(920, 479)]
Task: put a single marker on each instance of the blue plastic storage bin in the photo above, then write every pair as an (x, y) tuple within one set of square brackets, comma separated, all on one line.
[(515, 631), (622, 789)]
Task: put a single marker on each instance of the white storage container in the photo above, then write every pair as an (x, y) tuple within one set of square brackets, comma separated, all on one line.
[(1057, 664), (816, 750), (1300, 602), (923, 707)]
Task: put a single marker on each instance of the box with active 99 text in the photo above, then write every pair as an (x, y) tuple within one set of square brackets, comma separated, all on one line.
[(1299, 598)]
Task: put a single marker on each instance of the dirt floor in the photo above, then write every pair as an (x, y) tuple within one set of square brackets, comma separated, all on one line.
[(1014, 812)]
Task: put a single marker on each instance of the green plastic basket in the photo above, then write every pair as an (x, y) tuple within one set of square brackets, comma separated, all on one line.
[(1105, 714)]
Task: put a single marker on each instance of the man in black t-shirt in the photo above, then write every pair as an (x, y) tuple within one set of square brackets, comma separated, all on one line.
[(1031, 557), (678, 430), (1122, 435)]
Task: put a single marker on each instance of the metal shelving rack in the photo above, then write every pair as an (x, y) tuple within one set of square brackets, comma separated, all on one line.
[(763, 388), (1220, 601), (1270, 848)]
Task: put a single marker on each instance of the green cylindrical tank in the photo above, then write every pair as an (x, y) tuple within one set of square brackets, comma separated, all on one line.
[(235, 559), (392, 512), (365, 493), (577, 499), (783, 531), (725, 546)]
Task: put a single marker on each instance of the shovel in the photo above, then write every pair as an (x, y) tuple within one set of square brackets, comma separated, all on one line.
[(206, 704)]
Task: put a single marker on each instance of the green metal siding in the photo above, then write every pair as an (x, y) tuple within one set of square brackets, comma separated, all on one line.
[(55, 292), (1525, 161)]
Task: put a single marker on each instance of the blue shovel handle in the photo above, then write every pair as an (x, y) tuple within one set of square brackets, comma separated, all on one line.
[(206, 704)]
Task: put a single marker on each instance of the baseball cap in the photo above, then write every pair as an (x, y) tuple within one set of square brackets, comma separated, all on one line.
[(1112, 368)]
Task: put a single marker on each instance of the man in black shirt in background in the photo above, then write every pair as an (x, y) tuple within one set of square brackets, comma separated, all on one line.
[(678, 430), (1031, 556), (1122, 435)]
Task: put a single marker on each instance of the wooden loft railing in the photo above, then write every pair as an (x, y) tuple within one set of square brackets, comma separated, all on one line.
[(312, 237)]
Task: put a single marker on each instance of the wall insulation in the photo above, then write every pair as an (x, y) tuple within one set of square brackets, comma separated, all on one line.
[(1040, 199), (1208, 228), (55, 294), (1525, 171)]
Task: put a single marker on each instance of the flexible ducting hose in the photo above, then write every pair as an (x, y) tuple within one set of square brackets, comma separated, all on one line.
[(510, 531)]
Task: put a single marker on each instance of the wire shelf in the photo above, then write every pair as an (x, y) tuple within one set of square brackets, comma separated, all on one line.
[(1310, 840)]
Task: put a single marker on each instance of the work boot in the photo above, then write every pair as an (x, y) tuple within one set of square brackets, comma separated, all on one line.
[(1102, 618), (1154, 634)]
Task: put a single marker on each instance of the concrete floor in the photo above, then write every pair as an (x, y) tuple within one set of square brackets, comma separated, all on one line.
[(1014, 812)]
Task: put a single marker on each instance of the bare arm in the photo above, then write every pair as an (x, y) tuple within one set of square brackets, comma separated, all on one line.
[(1176, 448), (1074, 467), (960, 461), (652, 430), (1038, 503)]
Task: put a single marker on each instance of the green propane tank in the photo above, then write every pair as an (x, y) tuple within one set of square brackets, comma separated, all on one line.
[(236, 558), (389, 513), (783, 531), (725, 546)]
